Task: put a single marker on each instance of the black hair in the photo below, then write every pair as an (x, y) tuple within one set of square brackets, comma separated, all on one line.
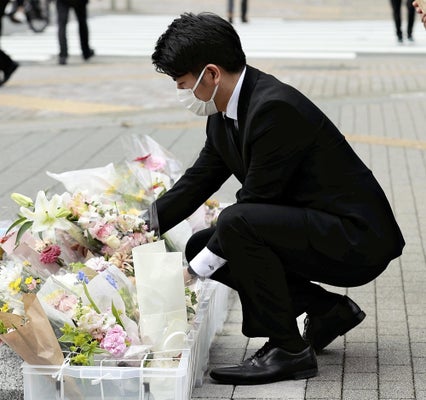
[(193, 41)]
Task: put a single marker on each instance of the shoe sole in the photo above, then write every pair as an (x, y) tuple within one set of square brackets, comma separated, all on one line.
[(357, 319), (309, 373)]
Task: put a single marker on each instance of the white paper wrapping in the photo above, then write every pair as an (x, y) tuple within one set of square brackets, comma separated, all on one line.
[(161, 296)]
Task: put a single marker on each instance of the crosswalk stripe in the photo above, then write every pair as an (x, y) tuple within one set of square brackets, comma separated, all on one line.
[(135, 35)]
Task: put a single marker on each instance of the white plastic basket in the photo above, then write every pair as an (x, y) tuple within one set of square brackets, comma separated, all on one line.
[(211, 314), (143, 380), (164, 378)]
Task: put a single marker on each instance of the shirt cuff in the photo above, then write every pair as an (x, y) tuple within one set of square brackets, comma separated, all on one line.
[(205, 263)]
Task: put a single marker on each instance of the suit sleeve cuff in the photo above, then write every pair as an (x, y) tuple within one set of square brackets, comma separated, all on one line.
[(205, 263)]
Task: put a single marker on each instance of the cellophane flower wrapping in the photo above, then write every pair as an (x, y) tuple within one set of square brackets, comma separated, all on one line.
[(75, 250), (144, 154)]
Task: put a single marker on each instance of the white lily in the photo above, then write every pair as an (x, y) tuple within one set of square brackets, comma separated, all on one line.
[(48, 215), (22, 200)]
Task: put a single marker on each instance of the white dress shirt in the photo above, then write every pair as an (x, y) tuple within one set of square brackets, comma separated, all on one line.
[(205, 263)]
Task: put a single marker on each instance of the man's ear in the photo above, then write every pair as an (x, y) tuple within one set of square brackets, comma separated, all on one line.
[(214, 72)]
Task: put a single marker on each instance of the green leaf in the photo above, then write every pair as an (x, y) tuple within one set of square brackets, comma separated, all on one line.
[(24, 227), (3, 328), (77, 266), (19, 221), (116, 315), (66, 338), (93, 304)]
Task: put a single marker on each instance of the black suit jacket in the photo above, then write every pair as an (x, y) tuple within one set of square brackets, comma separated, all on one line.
[(289, 153)]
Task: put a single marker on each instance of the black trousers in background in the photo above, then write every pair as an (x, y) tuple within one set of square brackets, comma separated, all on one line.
[(272, 265), (5, 61), (396, 12), (243, 8), (80, 8)]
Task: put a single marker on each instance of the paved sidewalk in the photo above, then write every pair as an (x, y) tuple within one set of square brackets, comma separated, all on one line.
[(288, 9), (59, 119), (379, 102)]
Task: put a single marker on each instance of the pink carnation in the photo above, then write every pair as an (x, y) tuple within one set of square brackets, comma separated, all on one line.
[(138, 238), (50, 254), (115, 341)]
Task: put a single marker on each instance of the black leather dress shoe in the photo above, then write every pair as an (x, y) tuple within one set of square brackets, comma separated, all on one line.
[(321, 330), (89, 54), (269, 364)]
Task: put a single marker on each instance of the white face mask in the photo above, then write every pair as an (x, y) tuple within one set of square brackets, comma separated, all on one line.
[(193, 103)]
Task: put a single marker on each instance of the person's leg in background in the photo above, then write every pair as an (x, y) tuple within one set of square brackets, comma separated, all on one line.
[(63, 12), (7, 65), (244, 8), (230, 10), (411, 15), (396, 13), (17, 14), (83, 29)]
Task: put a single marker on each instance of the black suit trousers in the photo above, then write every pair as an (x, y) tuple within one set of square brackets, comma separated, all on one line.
[(271, 264), (80, 8), (396, 12), (5, 61)]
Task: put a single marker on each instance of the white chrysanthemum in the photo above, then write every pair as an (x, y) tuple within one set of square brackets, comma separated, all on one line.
[(9, 272)]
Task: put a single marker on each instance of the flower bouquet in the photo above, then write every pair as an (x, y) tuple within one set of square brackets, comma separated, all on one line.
[(112, 294)]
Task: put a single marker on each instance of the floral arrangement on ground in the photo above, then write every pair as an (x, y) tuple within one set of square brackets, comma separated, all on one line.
[(79, 274)]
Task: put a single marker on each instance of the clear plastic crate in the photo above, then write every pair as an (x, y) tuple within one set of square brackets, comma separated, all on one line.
[(146, 381), (211, 314), (163, 378)]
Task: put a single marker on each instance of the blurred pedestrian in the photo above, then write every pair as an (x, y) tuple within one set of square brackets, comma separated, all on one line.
[(396, 12), (17, 12), (7, 65), (244, 6), (422, 12), (80, 8)]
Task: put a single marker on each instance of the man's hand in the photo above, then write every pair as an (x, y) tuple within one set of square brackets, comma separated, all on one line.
[(188, 278)]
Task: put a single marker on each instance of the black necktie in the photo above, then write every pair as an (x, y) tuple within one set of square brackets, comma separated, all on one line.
[(232, 129)]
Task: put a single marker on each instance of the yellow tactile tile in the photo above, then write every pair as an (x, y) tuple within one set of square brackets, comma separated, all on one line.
[(60, 105), (384, 141)]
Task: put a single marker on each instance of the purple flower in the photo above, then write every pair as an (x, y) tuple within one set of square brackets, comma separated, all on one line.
[(111, 280), (81, 277)]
